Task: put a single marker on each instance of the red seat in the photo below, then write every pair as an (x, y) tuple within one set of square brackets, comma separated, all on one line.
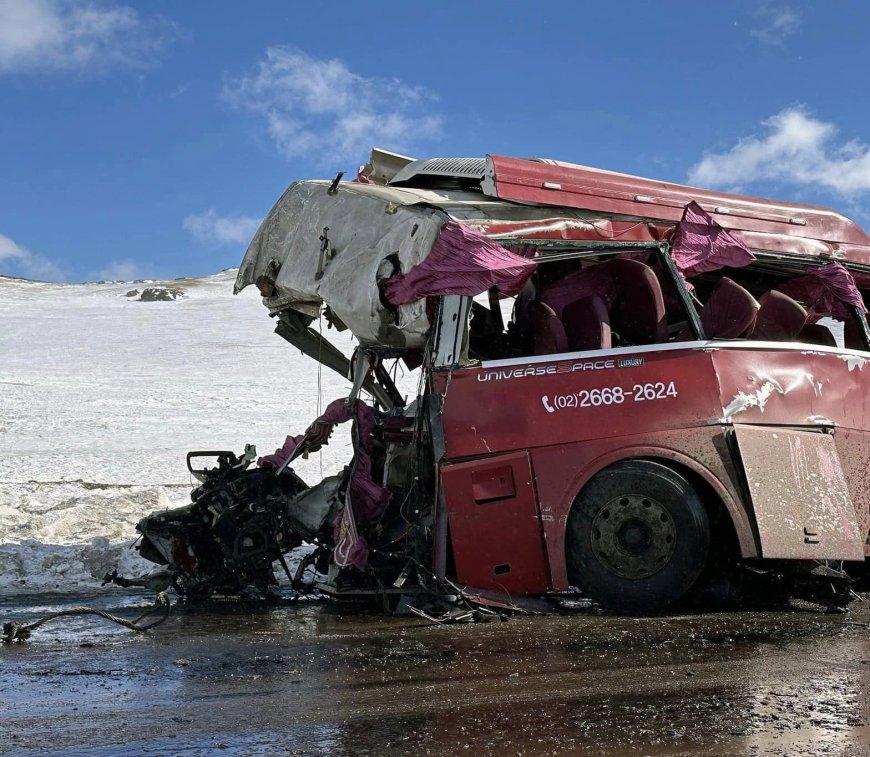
[(638, 311), (853, 337), (587, 324), (815, 333), (730, 311), (547, 330), (780, 318)]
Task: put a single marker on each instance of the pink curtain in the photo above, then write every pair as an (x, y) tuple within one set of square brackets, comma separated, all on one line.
[(463, 262), (367, 498), (700, 244), (361, 177), (316, 435), (827, 289)]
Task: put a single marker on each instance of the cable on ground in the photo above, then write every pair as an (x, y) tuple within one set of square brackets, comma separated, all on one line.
[(13, 632)]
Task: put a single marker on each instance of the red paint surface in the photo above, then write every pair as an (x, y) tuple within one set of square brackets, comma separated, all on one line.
[(495, 525)]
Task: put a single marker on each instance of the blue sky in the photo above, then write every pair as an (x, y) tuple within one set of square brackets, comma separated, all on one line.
[(148, 139)]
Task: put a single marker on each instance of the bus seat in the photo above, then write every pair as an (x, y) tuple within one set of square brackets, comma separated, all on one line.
[(816, 333), (730, 311), (780, 318), (547, 330), (527, 294), (587, 324), (853, 339), (638, 312)]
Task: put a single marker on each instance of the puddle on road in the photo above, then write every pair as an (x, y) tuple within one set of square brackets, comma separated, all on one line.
[(318, 680)]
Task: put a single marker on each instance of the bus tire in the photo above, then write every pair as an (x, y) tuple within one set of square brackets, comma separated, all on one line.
[(637, 537)]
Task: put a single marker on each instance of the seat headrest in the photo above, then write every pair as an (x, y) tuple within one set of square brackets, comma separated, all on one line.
[(730, 311), (780, 318), (638, 312)]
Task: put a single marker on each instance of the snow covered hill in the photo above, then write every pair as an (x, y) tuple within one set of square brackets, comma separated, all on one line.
[(101, 397)]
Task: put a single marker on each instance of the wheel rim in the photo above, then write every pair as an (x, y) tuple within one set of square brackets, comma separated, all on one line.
[(633, 536)]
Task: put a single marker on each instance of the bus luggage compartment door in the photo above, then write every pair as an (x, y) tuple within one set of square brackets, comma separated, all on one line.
[(799, 494), (495, 526)]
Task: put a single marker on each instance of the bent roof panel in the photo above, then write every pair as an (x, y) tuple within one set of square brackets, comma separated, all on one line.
[(548, 182)]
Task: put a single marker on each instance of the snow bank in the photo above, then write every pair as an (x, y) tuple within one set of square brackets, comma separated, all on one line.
[(101, 397)]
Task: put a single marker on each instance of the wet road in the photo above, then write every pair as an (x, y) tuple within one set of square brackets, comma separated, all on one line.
[(310, 680)]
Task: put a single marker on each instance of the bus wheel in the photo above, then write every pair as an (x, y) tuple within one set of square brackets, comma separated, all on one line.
[(637, 537)]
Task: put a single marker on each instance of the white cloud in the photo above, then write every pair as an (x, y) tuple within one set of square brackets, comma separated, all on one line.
[(797, 149), (322, 109), (121, 270), (76, 35), (19, 261), (775, 24), (210, 227)]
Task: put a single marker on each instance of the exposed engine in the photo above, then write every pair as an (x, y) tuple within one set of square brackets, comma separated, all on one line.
[(244, 519), (239, 522)]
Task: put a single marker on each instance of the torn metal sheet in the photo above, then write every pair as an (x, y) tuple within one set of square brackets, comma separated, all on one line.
[(332, 249)]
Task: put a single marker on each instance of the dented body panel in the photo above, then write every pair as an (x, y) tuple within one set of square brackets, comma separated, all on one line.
[(767, 224), (805, 510)]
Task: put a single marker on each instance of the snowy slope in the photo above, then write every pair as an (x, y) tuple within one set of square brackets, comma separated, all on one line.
[(101, 397)]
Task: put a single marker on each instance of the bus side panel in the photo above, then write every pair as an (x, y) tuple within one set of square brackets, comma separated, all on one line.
[(853, 447), (564, 399), (808, 388), (793, 388), (572, 413), (799, 493)]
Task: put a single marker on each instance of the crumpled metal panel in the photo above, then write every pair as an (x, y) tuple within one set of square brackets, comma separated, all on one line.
[(799, 493), (366, 223), (332, 248)]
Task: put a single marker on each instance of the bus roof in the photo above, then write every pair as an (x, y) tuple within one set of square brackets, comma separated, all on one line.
[(764, 224)]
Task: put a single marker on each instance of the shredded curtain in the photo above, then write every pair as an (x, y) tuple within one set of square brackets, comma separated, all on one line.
[(365, 499), (464, 262), (700, 244), (827, 289)]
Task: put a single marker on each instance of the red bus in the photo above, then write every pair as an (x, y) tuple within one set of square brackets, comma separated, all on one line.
[(626, 386)]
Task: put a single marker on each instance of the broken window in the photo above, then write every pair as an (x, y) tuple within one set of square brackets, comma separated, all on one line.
[(588, 300), (602, 299), (782, 301)]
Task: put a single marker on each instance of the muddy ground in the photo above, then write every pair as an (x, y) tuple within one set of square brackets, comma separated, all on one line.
[(318, 679)]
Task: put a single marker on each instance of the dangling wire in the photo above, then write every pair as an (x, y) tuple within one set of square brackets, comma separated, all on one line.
[(320, 384)]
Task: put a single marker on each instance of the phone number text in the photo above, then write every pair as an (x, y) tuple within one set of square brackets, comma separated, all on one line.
[(610, 395)]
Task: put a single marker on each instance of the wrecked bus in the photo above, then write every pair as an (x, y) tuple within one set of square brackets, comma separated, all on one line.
[(629, 387)]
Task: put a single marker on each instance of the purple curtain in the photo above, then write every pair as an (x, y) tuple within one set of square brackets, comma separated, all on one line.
[(316, 435), (367, 498), (827, 289), (361, 177), (463, 262), (700, 244)]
